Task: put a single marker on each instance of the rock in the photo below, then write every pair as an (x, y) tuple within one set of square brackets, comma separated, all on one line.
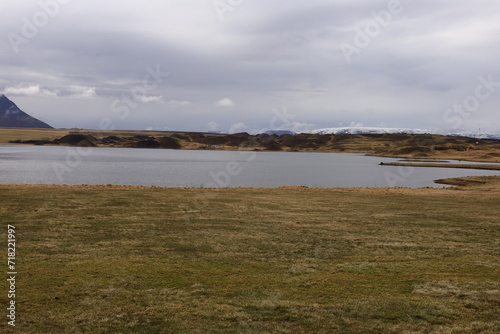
[(180, 136), (169, 142), (78, 140), (213, 140), (147, 143), (274, 146), (111, 140), (195, 136)]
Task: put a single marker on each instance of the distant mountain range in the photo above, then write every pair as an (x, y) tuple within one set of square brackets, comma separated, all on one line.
[(363, 130), (13, 117), (379, 130)]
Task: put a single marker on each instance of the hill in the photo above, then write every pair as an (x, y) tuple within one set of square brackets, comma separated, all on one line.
[(13, 117), (421, 146)]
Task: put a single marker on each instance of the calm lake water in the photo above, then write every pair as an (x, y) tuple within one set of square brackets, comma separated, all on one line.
[(179, 168)]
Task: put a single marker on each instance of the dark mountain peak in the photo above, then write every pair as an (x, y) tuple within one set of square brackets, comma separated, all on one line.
[(12, 116), (4, 99), (4, 102), (7, 107)]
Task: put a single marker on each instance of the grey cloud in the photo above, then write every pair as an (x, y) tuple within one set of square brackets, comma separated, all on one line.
[(263, 55)]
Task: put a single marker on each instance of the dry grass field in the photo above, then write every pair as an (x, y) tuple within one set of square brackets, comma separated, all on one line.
[(8, 134), (389, 145), (97, 259)]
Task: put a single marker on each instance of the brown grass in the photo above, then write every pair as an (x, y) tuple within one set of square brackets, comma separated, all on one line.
[(8, 134), (97, 259)]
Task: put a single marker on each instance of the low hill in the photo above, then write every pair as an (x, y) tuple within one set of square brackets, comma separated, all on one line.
[(13, 117), (417, 146)]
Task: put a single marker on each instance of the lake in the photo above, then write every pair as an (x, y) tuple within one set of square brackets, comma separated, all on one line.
[(184, 168)]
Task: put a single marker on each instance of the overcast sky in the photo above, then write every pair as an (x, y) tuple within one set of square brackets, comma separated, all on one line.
[(244, 65)]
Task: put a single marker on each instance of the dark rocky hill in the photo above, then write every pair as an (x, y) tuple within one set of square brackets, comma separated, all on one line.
[(13, 117)]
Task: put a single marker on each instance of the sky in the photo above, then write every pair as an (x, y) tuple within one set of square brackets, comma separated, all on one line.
[(240, 65)]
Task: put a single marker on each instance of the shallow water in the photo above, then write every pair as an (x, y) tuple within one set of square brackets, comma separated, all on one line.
[(184, 168)]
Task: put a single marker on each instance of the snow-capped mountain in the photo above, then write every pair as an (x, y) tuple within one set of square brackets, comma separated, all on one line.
[(474, 135), (361, 130), (379, 130)]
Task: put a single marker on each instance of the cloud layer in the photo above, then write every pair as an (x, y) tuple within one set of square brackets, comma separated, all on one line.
[(380, 63)]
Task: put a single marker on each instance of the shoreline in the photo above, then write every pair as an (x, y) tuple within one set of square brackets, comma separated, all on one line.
[(417, 162), (439, 165), (452, 182), (402, 146), (437, 159), (283, 256)]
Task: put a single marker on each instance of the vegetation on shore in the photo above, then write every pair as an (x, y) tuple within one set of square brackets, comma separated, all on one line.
[(98, 259), (419, 146), (445, 165)]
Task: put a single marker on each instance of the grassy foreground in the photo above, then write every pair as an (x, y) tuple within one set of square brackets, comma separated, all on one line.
[(96, 259)]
